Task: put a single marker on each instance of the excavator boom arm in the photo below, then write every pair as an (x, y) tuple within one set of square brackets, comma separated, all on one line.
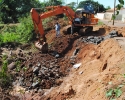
[(54, 10)]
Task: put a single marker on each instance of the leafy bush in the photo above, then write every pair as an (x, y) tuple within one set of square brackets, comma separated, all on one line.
[(114, 93), (21, 32), (25, 29), (9, 37), (8, 34)]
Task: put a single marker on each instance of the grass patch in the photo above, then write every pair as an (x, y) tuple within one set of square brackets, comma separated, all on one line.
[(100, 23)]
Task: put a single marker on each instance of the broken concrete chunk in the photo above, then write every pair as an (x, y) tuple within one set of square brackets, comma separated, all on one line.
[(35, 84), (76, 51), (12, 66), (76, 66), (35, 69), (57, 55), (80, 72)]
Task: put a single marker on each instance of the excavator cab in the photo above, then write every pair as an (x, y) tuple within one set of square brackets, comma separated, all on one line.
[(85, 13), (83, 17), (85, 20)]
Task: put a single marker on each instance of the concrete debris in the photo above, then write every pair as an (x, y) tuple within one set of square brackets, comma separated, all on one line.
[(12, 66), (76, 66), (76, 51), (80, 72), (99, 39)]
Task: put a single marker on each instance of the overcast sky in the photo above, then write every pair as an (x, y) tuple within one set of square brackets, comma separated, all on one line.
[(104, 2)]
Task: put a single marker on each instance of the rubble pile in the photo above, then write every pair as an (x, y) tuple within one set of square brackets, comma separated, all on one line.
[(99, 39), (39, 71)]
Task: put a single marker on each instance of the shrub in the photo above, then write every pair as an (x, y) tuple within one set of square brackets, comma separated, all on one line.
[(25, 29), (20, 33)]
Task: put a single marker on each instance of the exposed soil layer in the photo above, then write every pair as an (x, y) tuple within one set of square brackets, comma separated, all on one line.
[(51, 76)]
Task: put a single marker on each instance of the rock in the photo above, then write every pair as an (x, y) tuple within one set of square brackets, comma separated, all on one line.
[(57, 55), (113, 32), (35, 84), (106, 37), (59, 81), (36, 70), (90, 37), (38, 64), (80, 72), (42, 71), (19, 52), (76, 51), (76, 66), (21, 81), (12, 66)]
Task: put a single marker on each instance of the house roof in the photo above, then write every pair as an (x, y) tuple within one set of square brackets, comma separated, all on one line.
[(112, 9)]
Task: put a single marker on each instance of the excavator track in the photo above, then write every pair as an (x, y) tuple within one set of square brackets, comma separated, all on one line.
[(83, 31)]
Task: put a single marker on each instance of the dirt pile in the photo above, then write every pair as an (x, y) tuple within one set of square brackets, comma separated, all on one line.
[(44, 73), (101, 64), (91, 79)]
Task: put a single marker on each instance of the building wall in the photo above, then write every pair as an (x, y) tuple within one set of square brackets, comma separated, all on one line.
[(123, 18), (108, 16), (118, 17), (100, 15), (122, 11)]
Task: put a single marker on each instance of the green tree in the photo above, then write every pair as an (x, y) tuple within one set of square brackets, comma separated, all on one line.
[(72, 5), (120, 5), (96, 5), (108, 7), (54, 2), (13, 9)]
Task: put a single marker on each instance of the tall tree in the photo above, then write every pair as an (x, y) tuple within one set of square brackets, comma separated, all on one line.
[(108, 7), (119, 6), (97, 6), (54, 2), (13, 9), (72, 5)]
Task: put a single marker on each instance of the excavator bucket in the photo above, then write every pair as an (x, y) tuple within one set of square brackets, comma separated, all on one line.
[(43, 47)]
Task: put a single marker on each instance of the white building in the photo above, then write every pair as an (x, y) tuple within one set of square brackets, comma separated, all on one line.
[(109, 13)]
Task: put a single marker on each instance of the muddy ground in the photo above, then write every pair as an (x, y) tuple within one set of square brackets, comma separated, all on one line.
[(52, 76)]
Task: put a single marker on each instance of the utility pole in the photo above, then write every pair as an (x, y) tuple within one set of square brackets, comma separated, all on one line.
[(77, 2), (114, 11)]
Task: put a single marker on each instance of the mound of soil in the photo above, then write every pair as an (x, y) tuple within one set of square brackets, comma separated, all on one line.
[(51, 76), (91, 79)]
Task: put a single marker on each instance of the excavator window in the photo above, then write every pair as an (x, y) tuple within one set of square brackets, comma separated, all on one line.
[(84, 17)]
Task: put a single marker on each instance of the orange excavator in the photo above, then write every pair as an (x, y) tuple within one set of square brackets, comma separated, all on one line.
[(81, 21)]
